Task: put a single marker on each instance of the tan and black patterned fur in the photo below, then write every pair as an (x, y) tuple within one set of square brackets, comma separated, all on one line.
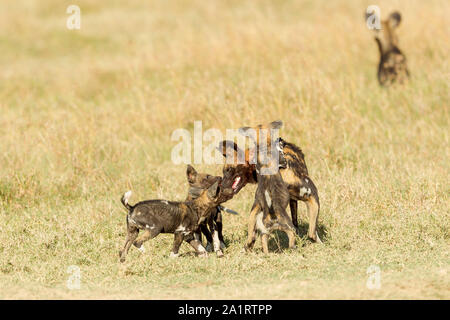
[(293, 171), (392, 66), (212, 227), (272, 194), (179, 218)]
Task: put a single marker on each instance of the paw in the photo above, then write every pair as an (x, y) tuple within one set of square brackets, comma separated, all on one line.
[(209, 247), (141, 249), (203, 255), (247, 249), (219, 254), (173, 255), (222, 245), (122, 259), (318, 239)]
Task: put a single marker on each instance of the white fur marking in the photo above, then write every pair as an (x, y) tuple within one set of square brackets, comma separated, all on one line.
[(180, 228), (142, 249), (216, 241), (268, 198), (260, 225), (131, 220), (173, 255), (201, 249), (304, 191)]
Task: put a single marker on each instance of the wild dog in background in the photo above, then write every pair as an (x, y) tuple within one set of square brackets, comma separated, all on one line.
[(162, 216), (272, 195), (392, 67), (294, 173)]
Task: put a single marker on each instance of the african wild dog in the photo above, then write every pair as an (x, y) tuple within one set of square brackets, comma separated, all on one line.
[(392, 66), (272, 195), (294, 173), (197, 183), (161, 216)]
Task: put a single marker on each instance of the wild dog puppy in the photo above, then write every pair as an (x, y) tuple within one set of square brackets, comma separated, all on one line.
[(198, 182), (162, 216), (272, 194), (392, 67), (293, 171)]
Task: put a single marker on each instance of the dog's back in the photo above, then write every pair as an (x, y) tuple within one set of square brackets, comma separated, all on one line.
[(165, 216)]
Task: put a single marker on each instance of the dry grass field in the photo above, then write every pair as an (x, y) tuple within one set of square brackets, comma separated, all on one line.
[(88, 114)]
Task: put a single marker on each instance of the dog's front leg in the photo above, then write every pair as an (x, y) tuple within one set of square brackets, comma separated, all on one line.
[(204, 229), (215, 236), (219, 227), (177, 240)]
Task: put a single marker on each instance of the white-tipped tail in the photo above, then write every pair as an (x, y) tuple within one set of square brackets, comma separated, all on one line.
[(126, 196)]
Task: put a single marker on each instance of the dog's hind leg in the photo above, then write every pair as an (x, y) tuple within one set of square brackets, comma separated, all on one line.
[(293, 205), (310, 195), (251, 237), (286, 225), (265, 243), (204, 229), (132, 234), (147, 235), (313, 208)]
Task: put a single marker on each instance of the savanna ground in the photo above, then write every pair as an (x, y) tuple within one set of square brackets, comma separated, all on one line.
[(88, 114)]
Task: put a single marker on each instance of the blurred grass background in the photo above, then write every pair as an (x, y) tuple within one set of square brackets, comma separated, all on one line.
[(88, 114)]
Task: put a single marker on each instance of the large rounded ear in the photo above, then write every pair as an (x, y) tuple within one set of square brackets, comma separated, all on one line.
[(276, 124), (249, 132), (230, 150), (191, 173), (213, 191), (244, 130), (394, 19)]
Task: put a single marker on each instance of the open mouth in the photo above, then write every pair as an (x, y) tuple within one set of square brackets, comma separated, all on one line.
[(236, 183)]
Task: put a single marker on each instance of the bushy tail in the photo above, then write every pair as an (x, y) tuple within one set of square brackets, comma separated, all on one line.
[(126, 196)]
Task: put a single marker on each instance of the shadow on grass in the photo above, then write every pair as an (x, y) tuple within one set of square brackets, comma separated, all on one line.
[(279, 240)]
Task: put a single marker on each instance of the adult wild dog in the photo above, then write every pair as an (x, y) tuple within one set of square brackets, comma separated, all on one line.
[(239, 170), (392, 66), (272, 195)]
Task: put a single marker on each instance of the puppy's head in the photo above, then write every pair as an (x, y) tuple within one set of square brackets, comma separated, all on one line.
[(212, 196), (386, 34), (198, 181)]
